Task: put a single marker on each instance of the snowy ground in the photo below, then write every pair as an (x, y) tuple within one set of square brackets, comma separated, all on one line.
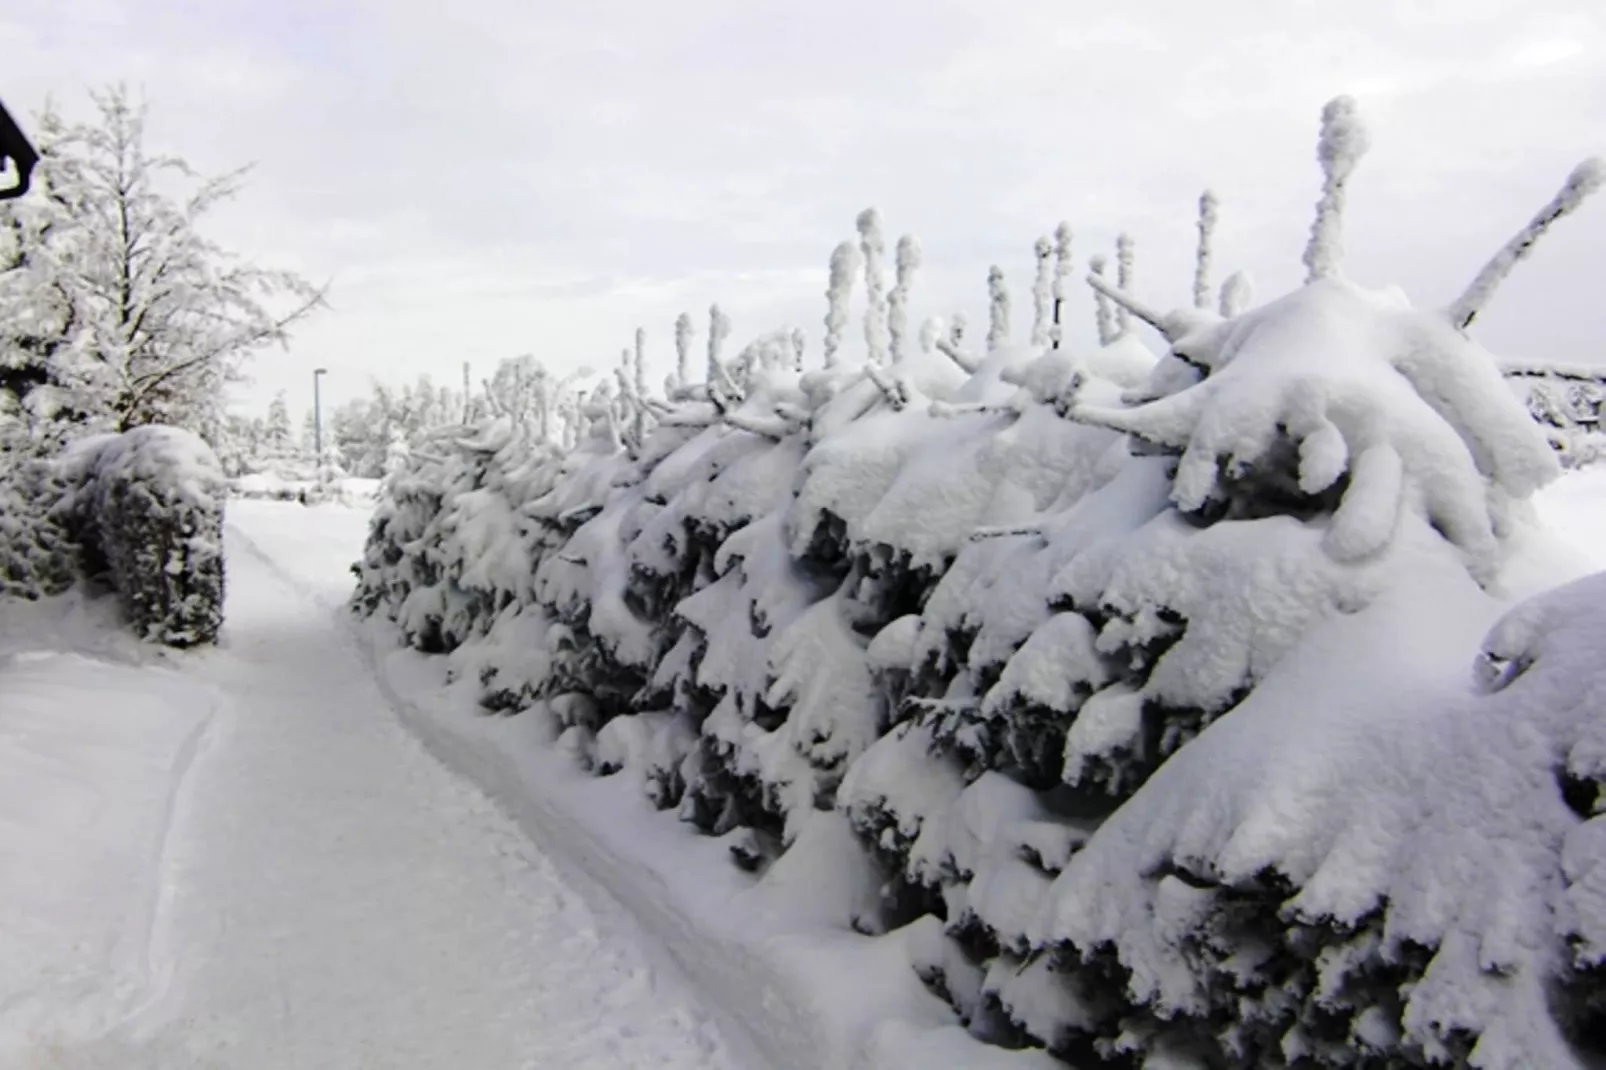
[(241, 859)]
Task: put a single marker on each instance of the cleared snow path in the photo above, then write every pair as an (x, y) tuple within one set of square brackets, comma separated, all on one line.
[(332, 896)]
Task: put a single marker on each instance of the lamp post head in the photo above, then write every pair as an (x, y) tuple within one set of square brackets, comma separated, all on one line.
[(320, 371)]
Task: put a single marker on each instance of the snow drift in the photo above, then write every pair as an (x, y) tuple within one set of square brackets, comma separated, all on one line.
[(1142, 679)]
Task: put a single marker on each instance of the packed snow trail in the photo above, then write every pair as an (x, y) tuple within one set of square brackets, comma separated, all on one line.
[(332, 896)]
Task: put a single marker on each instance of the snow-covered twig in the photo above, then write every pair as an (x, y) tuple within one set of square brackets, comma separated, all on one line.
[(1343, 142), (966, 362), (1013, 531), (1127, 303), (683, 336), (1201, 265), (1237, 294), (908, 262), (1042, 291), (872, 245), (997, 308), (838, 293), (1104, 314), (1585, 179), (890, 388), (1124, 257), (1062, 271)]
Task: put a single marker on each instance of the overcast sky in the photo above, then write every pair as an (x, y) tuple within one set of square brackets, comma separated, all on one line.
[(483, 178)]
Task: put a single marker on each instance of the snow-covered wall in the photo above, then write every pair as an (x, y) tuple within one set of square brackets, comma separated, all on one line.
[(1145, 681)]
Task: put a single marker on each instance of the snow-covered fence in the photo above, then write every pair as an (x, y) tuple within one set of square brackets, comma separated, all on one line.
[(145, 510), (1142, 678)]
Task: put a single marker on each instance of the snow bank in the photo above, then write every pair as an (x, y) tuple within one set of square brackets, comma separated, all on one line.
[(83, 720), (1059, 635)]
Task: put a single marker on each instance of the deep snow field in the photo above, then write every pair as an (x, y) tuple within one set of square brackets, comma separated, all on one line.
[(266, 856)]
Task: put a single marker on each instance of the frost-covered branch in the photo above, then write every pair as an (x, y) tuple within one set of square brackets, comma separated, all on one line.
[(966, 362), (873, 246), (1585, 179), (1343, 142), (891, 389), (1103, 312), (1062, 272), (1201, 265), (908, 262), (997, 308), (1042, 291), (1237, 294), (1124, 257), (838, 293), (1129, 304)]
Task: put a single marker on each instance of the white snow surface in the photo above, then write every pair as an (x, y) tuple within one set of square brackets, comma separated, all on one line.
[(241, 858), (248, 861)]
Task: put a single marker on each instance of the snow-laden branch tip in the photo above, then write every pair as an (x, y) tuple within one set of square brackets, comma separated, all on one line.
[(908, 263), (1042, 291), (1104, 314), (997, 308), (1201, 268), (683, 336), (1124, 262), (1062, 272), (1129, 304), (838, 292), (1585, 179), (1237, 294), (874, 246), (1342, 144)]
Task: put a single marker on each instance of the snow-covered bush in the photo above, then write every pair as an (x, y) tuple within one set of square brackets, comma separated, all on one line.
[(37, 554), (147, 513), (1140, 676)]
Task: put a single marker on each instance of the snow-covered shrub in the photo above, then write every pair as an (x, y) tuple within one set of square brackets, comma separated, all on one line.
[(38, 556), (1139, 676), (147, 507)]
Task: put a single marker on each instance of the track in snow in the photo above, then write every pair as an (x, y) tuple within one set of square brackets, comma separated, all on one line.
[(334, 897)]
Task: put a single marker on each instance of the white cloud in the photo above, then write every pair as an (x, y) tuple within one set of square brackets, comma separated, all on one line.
[(489, 177)]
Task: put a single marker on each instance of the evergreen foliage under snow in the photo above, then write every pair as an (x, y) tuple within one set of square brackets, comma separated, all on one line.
[(1188, 704)]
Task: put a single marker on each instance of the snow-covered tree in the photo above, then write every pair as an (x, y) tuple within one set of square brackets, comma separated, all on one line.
[(152, 318)]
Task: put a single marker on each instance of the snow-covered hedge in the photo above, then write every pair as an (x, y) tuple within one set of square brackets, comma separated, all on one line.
[(37, 553), (1143, 678), (143, 512)]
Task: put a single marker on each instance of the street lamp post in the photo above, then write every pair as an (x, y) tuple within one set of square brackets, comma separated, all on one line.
[(317, 419)]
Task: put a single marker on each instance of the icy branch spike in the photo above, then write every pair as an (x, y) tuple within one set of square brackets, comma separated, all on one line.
[(1124, 256), (873, 245), (838, 292), (908, 263), (997, 308), (683, 336), (1042, 291), (1585, 179), (1062, 271), (1342, 144), (1104, 313), (1129, 304), (1208, 205)]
